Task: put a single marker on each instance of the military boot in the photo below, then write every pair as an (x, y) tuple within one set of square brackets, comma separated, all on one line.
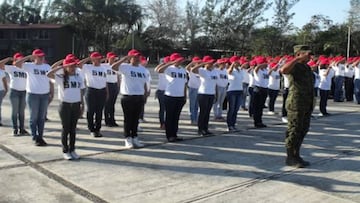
[(298, 157), (291, 160)]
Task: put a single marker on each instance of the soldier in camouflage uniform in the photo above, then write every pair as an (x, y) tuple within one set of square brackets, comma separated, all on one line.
[(299, 104)]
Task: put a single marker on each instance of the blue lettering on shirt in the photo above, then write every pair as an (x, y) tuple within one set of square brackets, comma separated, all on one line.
[(135, 74), (39, 72), (20, 74), (98, 73)]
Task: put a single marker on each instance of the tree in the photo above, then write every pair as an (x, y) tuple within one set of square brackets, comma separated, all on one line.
[(282, 17), (192, 21)]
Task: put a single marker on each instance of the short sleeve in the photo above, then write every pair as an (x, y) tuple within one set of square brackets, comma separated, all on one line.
[(202, 72), (59, 76), (27, 67), (8, 68)]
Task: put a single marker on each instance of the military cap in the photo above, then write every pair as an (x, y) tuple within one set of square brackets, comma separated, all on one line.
[(302, 48)]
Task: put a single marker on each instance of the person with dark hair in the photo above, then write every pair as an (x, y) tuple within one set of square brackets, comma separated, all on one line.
[(193, 87), (69, 84), (221, 86), (326, 74), (299, 104), (160, 92), (38, 92)]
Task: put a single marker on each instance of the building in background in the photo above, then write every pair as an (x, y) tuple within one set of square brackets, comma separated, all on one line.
[(55, 40)]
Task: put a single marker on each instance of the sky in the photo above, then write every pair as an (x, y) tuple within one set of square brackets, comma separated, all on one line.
[(336, 10)]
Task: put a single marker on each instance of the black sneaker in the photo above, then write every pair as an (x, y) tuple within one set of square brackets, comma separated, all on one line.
[(1, 124), (40, 142), (16, 133), (97, 134), (24, 132), (175, 139), (260, 125)]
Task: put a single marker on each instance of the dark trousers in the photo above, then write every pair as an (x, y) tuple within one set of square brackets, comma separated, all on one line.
[(338, 92), (95, 99), (357, 90), (205, 103), (324, 95), (235, 99), (143, 108), (69, 115), (285, 95), (173, 107), (18, 103), (349, 88), (161, 98), (251, 101), (109, 110), (272, 98), (260, 95), (131, 105)]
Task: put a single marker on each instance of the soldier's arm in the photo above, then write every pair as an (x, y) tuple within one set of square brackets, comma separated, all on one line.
[(287, 68)]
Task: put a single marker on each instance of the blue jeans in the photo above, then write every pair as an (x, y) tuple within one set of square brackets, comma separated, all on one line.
[(160, 95), (2, 95), (234, 99), (338, 92), (194, 106), (357, 90), (244, 95), (18, 102), (38, 104), (218, 105)]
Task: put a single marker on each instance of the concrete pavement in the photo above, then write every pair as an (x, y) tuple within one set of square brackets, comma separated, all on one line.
[(247, 166)]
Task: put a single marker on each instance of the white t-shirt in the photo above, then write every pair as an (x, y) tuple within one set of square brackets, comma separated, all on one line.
[(246, 76), (261, 78), (111, 76), (208, 81), (2, 75), (357, 72), (17, 78), (133, 79), (176, 80), (223, 78), (235, 80), (317, 80), (349, 71), (194, 80), (286, 81), (325, 81), (95, 76), (37, 81), (274, 80), (251, 78), (70, 90), (339, 70), (162, 82)]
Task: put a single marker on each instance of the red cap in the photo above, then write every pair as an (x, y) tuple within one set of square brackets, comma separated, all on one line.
[(96, 55), (38, 52), (196, 59), (176, 57), (110, 55), (234, 59), (324, 61), (260, 60), (143, 60), (70, 56), (134, 52), (208, 59), (243, 60), (18, 56), (166, 59), (69, 62), (252, 62), (311, 63), (273, 65), (222, 60)]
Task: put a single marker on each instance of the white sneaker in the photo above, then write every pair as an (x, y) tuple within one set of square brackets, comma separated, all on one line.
[(271, 113), (129, 143), (67, 156), (284, 120), (137, 142), (74, 155)]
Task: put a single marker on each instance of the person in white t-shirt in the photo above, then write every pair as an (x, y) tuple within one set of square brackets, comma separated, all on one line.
[(17, 93), (261, 80), (339, 69), (69, 85), (160, 92), (252, 65), (39, 92), (356, 66), (193, 85), (222, 83), (144, 63), (206, 92), (97, 91), (175, 94), (349, 82), (133, 88), (326, 74), (234, 92), (245, 65), (273, 86), (113, 84), (3, 87)]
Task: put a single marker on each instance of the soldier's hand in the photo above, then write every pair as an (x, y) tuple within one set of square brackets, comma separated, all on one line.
[(303, 56)]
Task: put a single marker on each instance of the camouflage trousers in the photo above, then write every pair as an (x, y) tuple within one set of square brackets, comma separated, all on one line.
[(298, 126)]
